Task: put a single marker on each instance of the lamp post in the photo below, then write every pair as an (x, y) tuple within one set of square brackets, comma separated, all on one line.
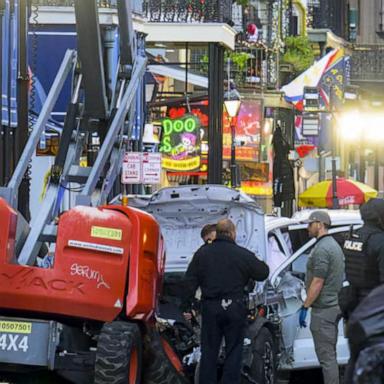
[(232, 106)]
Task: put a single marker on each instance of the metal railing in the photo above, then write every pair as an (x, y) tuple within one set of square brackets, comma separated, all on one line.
[(367, 63), (184, 11), (169, 11), (251, 71), (330, 14), (137, 5), (69, 3)]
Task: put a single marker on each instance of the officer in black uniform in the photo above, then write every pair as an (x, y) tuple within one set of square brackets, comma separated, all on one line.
[(364, 264), (222, 270), (208, 233)]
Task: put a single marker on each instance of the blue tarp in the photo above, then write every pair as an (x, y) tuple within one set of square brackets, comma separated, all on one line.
[(9, 37)]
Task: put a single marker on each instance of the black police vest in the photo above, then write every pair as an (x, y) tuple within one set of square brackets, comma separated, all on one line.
[(360, 266)]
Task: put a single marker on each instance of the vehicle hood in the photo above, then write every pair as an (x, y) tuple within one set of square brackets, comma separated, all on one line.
[(183, 211)]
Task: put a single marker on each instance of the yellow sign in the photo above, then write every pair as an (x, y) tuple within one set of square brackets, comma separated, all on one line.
[(181, 165), (256, 190), (106, 233), (15, 327)]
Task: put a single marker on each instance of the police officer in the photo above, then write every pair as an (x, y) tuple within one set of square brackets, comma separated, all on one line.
[(324, 278), (208, 233), (222, 270), (364, 264)]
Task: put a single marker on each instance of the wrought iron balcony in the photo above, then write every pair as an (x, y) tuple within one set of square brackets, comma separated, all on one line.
[(367, 63), (69, 3), (184, 11), (169, 11), (137, 5), (249, 66)]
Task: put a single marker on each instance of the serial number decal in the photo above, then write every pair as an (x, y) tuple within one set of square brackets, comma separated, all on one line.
[(15, 327), (14, 343), (106, 233)]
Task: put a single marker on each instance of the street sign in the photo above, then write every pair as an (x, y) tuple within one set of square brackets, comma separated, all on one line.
[(311, 124), (151, 168), (311, 99), (132, 169), (141, 168)]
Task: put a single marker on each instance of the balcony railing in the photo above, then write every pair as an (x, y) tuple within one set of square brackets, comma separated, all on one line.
[(367, 63), (248, 67), (184, 11), (69, 3), (137, 5), (168, 11)]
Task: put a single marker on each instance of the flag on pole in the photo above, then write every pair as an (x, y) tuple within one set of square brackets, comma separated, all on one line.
[(312, 77)]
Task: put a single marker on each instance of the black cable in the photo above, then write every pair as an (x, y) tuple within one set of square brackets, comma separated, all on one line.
[(32, 94), (22, 97)]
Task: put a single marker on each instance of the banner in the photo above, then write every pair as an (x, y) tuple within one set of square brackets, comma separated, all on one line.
[(248, 132)]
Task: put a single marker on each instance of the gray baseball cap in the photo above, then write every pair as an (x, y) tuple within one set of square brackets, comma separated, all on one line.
[(320, 216)]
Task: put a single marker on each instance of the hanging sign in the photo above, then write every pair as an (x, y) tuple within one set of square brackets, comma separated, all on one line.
[(180, 143)]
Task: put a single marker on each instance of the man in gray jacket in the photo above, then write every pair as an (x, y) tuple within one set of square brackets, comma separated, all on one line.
[(324, 279)]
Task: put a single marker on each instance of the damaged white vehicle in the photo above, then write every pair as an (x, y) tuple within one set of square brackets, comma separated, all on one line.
[(273, 339), (288, 249)]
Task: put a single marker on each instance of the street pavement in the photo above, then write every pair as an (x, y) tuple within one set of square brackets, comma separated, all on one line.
[(313, 376)]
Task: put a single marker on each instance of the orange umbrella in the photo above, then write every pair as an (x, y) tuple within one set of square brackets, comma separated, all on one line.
[(348, 192)]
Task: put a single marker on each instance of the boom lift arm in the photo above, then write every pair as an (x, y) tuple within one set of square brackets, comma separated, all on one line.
[(90, 114)]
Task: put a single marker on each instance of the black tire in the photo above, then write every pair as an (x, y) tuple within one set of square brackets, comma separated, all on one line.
[(117, 346), (263, 368), (158, 368)]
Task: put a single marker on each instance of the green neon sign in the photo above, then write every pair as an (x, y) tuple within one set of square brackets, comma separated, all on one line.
[(179, 125), (175, 131)]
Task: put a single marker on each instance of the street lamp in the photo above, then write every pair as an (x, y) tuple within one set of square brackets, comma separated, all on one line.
[(232, 105)]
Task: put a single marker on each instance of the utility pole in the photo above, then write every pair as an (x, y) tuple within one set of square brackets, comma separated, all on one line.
[(215, 100), (335, 201), (377, 167)]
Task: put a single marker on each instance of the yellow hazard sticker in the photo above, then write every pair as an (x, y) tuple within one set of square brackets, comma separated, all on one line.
[(15, 327), (106, 233)]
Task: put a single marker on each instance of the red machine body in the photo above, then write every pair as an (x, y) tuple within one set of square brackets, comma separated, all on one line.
[(8, 222), (106, 260)]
